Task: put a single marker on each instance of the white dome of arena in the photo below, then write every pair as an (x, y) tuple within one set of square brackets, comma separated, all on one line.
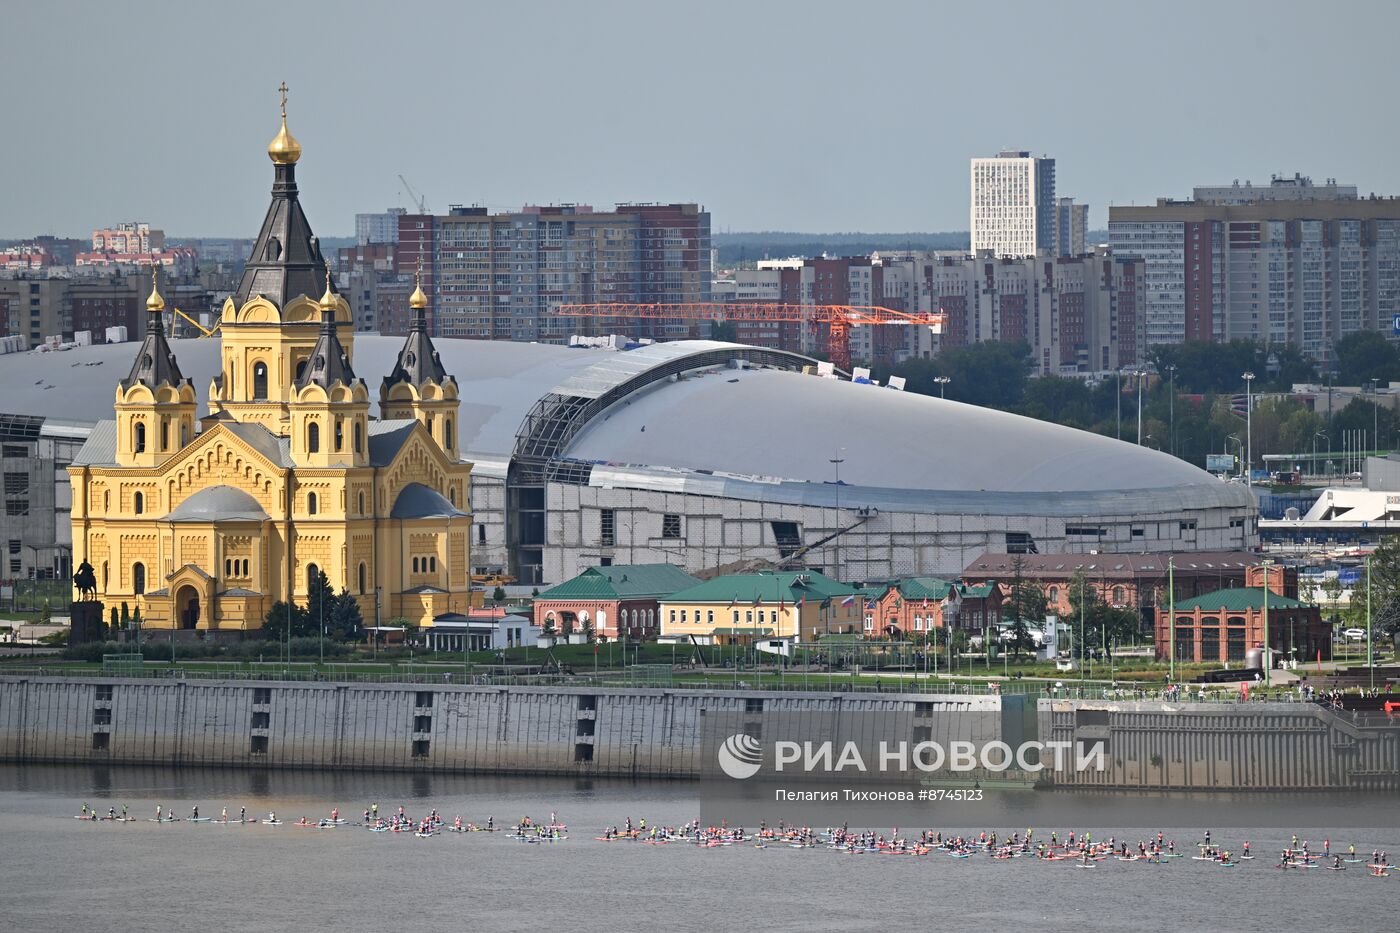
[(707, 454)]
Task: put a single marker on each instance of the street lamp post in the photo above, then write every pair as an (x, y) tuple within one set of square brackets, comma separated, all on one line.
[(1118, 394), (1240, 443), (1249, 428), (1140, 374), (1316, 435), (1268, 657), (942, 381), (1375, 416), (836, 462), (1171, 427)]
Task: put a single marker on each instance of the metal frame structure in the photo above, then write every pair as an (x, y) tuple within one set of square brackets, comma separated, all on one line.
[(562, 414)]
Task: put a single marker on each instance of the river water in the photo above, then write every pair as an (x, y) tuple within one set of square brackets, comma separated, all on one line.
[(62, 874)]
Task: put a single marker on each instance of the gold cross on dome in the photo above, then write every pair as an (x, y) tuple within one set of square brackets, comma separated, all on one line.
[(282, 89)]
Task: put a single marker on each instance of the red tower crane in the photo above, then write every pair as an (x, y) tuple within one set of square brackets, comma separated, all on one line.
[(838, 318)]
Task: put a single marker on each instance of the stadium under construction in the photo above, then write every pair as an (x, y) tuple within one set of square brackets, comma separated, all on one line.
[(706, 455)]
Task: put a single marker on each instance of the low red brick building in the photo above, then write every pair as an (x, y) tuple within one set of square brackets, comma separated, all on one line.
[(920, 605), (1223, 626), (619, 601), (1125, 581)]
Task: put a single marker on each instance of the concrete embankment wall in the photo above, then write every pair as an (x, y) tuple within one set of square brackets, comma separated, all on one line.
[(1218, 746), (542, 730)]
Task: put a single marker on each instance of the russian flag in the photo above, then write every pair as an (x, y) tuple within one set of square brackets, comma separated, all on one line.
[(849, 600)]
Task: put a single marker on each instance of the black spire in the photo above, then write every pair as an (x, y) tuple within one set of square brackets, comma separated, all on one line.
[(154, 362), (286, 260), (328, 362), (418, 360)]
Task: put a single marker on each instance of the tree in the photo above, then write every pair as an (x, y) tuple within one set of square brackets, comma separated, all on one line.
[(126, 616), (1385, 589), (1366, 355), (282, 613), (344, 620), (1097, 623), (1026, 607), (113, 623), (45, 613), (320, 602), (136, 618), (724, 330), (498, 594)]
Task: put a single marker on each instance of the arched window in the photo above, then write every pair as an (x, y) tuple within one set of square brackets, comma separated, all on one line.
[(432, 565), (259, 380), (361, 499), (359, 438), (447, 432), (138, 441), (138, 578), (107, 501), (1120, 596), (245, 566), (360, 577), (415, 565), (311, 503), (312, 571), (164, 432), (313, 437), (228, 567), (1053, 595), (184, 432), (104, 576), (339, 434), (452, 494), (138, 503)]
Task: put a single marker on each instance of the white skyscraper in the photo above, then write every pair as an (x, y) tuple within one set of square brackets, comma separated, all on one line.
[(1013, 204)]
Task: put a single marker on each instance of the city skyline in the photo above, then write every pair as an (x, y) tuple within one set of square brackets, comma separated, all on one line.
[(719, 117)]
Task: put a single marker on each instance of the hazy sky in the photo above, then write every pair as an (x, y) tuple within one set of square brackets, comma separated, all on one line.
[(813, 116)]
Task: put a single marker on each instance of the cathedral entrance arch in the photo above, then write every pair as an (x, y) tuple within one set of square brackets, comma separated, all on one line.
[(187, 607)]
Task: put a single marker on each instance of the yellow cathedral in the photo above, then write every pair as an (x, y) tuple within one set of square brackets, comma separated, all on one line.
[(206, 525)]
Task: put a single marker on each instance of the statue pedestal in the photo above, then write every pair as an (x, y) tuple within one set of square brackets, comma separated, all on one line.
[(87, 622)]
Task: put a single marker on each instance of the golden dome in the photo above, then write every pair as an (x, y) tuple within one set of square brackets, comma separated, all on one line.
[(328, 299), (155, 304), (284, 148)]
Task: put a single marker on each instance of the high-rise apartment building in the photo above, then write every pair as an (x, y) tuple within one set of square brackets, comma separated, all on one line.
[(378, 228), (501, 276), (1274, 269), (1280, 188), (1071, 227), (1078, 314), (128, 238), (1013, 209)]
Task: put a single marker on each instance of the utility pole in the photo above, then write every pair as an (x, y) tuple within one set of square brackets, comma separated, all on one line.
[(1268, 657), (1118, 393), (836, 462), (1249, 433), (1171, 623), (1141, 375), (1370, 655), (942, 382), (1171, 431)]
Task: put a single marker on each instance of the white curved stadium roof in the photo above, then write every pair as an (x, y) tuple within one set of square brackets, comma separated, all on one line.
[(745, 432)]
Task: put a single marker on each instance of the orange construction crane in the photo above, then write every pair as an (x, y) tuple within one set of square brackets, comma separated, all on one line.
[(838, 318)]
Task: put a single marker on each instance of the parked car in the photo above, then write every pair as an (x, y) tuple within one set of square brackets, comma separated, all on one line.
[(1355, 634)]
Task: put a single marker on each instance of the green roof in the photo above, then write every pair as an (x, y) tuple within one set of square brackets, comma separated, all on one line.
[(771, 588), (623, 581), (977, 591), (931, 588), (1238, 599)]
